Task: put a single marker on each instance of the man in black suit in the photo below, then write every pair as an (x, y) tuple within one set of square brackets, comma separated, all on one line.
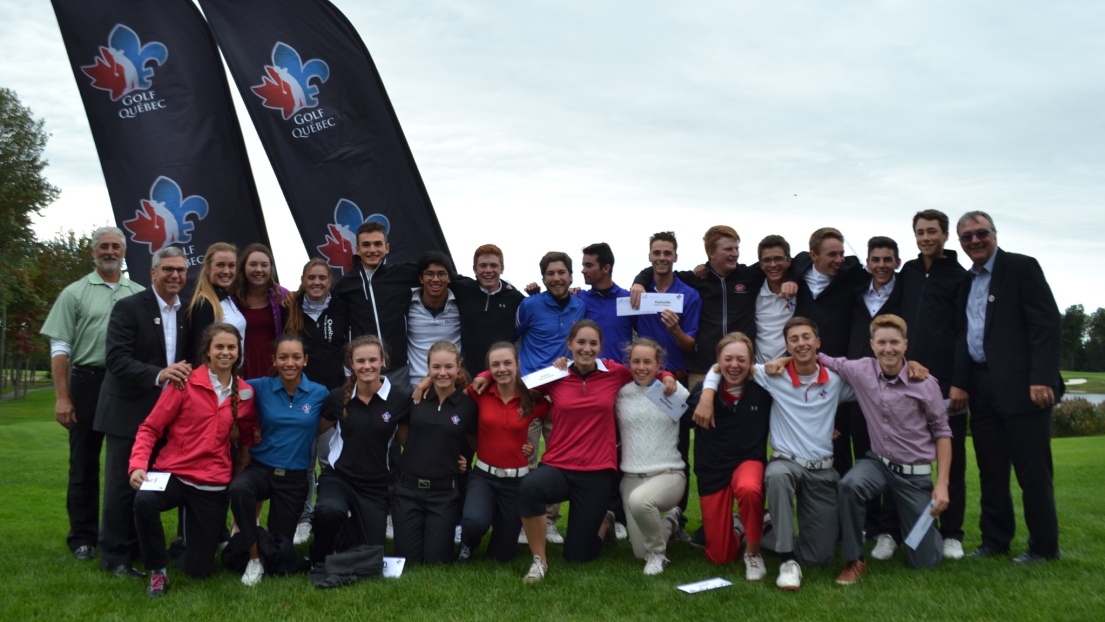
[(1007, 360), (143, 328)]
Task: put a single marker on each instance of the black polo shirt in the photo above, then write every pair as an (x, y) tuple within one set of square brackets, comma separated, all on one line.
[(359, 453), (437, 436), (740, 435)]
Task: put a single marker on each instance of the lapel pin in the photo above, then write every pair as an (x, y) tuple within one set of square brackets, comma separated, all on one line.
[(991, 298), (157, 321)]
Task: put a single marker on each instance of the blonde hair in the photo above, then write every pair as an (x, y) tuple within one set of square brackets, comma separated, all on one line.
[(888, 320), (204, 289), (449, 346)]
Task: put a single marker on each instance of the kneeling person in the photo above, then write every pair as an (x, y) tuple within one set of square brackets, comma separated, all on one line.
[(909, 428)]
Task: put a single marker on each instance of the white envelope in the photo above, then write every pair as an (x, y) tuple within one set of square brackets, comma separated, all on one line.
[(702, 586), (535, 379), (157, 481), (393, 566), (671, 406), (651, 303), (924, 521)]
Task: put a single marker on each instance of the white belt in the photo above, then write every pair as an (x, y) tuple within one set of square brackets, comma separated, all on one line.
[(810, 465), (906, 469), (497, 472)]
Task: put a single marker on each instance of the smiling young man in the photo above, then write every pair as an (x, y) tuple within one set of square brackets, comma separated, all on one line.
[(433, 314), (909, 429), (543, 323), (1007, 362), (76, 326), (488, 307), (377, 297), (773, 310), (930, 286)]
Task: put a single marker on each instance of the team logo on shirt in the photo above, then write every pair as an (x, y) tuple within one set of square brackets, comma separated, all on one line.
[(823, 394), (386, 417), (455, 419), (307, 408), (739, 288)]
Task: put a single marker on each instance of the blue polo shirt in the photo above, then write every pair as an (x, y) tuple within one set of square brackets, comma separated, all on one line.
[(289, 424), (542, 326), (617, 331), (652, 327)]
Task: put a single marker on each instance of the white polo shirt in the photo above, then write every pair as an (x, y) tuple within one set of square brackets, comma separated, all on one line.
[(772, 314), (804, 410), (423, 329)]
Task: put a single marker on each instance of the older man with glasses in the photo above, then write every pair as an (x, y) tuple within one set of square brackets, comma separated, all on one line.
[(1007, 360)]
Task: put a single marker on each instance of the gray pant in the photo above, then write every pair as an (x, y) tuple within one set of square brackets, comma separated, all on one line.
[(817, 514), (870, 478)]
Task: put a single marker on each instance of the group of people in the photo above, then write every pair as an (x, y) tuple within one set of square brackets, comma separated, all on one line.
[(401, 386)]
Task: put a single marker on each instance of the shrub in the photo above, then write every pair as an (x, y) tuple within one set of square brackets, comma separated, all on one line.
[(1077, 417)]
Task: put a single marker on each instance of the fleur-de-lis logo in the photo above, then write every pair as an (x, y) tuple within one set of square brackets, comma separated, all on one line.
[(286, 85), (123, 64), (164, 217), (341, 237)]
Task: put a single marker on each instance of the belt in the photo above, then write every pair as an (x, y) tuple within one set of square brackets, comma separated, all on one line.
[(905, 469), (88, 370), (448, 483), (810, 465), (654, 473), (279, 472), (497, 472)]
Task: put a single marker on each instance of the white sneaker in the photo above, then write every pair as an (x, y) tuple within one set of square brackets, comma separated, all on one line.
[(790, 576), (389, 533), (254, 572), (953, 549), (620, 532), (884, 547), (522, 539), (655, 563), (754, 568), (302, 533), (552, 536), (536, 572), (456, 535)]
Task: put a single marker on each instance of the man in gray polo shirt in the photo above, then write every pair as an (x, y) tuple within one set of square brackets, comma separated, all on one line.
[(77, 327)]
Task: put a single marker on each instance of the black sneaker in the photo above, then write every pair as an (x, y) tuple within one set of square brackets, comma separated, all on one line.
[(85, 553), (159, 584), (699, 539)]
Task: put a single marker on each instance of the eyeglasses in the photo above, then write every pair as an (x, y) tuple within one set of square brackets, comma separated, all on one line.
[(441, 276), (767, 261), (166, 270), (981, 234)]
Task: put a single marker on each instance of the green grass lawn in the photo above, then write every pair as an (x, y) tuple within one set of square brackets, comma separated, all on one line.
[(40, 579), (1095, 381)]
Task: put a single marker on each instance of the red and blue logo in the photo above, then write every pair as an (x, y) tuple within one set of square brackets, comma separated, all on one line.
[(123, 64), (341, 237), (166, 217), (455, 419), (287, 83)]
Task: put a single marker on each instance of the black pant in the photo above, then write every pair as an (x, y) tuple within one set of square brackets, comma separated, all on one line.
[(337, 499), (951, 521), (1022, 441), (425, 523), (82, 499), (204, 519), (258, 482), (118, 537), (492, 503), (586, 492)]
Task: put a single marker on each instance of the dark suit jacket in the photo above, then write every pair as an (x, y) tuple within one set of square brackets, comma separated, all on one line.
[(859, 339), (832, 310), (135, 357), (1022, 336)]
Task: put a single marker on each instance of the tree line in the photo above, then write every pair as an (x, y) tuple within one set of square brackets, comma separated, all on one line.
[(1083, 339)]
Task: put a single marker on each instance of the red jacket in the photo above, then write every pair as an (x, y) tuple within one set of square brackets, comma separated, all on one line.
[(196, 430)]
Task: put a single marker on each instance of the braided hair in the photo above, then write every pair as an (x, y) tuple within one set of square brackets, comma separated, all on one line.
[(353, 346)]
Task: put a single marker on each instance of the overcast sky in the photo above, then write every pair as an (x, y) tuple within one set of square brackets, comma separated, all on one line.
[(551, 125)]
